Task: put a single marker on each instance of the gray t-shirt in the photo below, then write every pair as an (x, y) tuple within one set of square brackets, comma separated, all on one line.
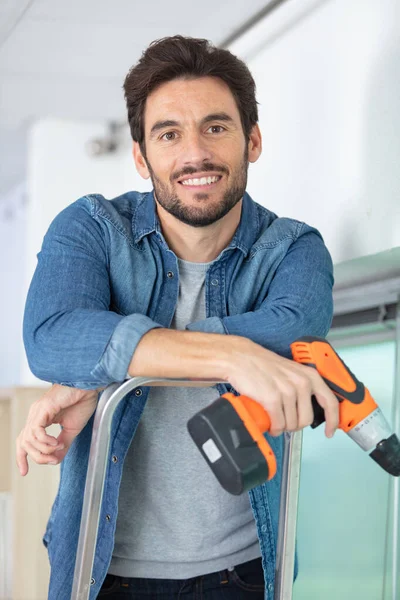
[(175, 521)]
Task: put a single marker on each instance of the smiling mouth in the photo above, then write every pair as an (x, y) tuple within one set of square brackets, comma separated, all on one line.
[(201, 183)]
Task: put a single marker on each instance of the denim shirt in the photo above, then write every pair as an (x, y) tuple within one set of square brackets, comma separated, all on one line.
[(105, 277)]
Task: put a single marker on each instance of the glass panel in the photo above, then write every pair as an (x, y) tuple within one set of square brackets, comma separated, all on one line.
[(343, 499)]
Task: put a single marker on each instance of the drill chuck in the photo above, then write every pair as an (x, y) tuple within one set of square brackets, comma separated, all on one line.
[(387, 455)]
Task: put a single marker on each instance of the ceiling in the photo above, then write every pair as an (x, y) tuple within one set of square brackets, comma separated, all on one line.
[(69, 58)]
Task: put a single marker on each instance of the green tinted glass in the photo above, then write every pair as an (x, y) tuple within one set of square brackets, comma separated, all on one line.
[(343, 499)]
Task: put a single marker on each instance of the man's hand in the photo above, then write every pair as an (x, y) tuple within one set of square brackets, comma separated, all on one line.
[(71, 408), (283, 387)]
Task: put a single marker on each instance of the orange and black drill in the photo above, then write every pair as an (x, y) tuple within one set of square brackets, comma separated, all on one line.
[(230, 432)]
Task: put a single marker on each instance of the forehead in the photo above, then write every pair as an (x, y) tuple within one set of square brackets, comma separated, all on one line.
[(187, 99)]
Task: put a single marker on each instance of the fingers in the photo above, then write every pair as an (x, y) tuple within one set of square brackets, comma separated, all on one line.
[(33, 441), (292, 407), (66, 437), (305, 413), (42, 448), (289, 400), (277, 416), (42, 454), (22, 462), (69, 407), (41, 458), (331, 409), (327, 399), (44, 437)]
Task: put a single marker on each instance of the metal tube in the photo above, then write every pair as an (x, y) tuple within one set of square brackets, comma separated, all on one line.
[(285, 552), (395, 480), (96, 473), (393, 503), (250, 23)]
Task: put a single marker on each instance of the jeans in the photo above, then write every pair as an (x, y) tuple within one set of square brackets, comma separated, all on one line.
[(246, 581)]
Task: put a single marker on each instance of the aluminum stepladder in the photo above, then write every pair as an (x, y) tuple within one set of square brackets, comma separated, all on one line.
[(96, 472)]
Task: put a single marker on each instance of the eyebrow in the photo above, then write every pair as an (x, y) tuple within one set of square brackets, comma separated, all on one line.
[(222, 116)]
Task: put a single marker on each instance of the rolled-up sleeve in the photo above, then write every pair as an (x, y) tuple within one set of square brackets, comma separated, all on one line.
[(70, 334), (299, 301)]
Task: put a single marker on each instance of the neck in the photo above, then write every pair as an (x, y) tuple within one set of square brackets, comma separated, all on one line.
[(199, 244)]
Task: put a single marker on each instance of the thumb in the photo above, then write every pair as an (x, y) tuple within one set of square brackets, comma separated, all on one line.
[(66, 438)]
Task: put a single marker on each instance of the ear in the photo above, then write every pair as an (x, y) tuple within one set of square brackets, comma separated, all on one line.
[(255, 144), (140, 162)]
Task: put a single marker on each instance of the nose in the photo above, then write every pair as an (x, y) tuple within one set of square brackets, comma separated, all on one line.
[(195, 149)]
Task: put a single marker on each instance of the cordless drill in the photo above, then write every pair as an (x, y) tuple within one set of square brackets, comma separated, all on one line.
[(230, 432)]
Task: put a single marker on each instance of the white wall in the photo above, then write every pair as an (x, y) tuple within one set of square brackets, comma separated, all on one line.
[(13, 253), (328, 81), (329, 86), (60, 170)]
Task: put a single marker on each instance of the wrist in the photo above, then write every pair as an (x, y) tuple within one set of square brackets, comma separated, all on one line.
[(67, 396), (238, 350)]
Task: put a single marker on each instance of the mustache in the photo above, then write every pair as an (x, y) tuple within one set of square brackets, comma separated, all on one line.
[(200, 169)]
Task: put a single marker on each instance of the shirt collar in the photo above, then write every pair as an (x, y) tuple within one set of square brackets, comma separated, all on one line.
[(146, 221)]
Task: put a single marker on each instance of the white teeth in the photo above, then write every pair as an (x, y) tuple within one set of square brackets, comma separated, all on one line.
[(202, 181)]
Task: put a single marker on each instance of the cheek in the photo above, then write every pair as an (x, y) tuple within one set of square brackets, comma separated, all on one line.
[(161, 171), (164, 167)]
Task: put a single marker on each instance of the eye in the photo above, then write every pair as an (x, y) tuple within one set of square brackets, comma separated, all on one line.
[(217, 127), (168, 133)]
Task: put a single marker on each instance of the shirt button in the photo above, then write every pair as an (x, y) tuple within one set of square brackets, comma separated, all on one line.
[(214, 282), (264, 528), (114, 459), (138, 392), (108, 518), (170, 274), (92, 581)]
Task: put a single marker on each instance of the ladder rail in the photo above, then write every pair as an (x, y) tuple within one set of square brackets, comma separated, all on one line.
[(97, 469)]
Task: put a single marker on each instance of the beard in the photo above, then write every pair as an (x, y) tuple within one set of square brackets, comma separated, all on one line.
[(205, 212)]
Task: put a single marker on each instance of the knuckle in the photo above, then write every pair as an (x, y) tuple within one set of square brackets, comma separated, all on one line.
[(278, 425), (21, 436), (305, 422), (310, 372), (26, 441), (289, 391), (273, 406), (48, 450), (303, 382), (21, 447), (276, 432)]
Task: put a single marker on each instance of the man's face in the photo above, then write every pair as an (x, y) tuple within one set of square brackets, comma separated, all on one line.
[(193, 131)]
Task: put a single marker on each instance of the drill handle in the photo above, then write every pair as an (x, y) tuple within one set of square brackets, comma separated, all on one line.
[(319, 413)]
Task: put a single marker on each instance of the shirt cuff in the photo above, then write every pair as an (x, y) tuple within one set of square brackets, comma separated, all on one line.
[(114, 363)]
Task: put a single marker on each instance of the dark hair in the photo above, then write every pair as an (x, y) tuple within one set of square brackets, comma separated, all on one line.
[(187, 58)]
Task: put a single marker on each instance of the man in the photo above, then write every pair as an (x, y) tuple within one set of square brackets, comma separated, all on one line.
[(191, 280)]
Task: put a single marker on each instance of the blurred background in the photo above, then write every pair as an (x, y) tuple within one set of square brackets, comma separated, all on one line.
[(328, 84)]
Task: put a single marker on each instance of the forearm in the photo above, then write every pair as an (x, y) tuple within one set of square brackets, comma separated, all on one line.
[(187, 354), (84, 348), (299, 302), (273, 328)]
